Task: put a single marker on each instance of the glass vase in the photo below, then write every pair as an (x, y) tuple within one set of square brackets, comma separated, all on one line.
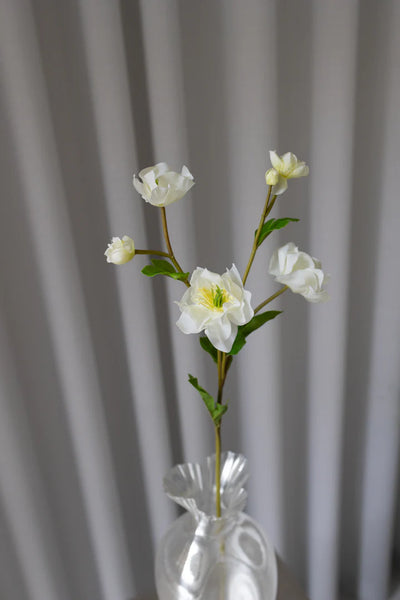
[(202, 557)]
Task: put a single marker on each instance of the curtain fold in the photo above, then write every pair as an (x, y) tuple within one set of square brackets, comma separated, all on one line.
[(94, 400)]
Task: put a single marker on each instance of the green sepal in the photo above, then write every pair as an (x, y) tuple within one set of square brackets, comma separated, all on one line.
[(163, 267), (245, 330), (270, 225), (216, 410), (208, 347)]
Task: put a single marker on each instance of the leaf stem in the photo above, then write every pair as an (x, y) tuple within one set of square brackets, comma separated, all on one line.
[(268, 300), (169, 246), (267, 209), (157, 252)]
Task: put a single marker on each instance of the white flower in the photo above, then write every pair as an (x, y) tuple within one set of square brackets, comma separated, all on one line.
[(288, 167), (160, 186), (120, 251), (300, 272), (215, 304)]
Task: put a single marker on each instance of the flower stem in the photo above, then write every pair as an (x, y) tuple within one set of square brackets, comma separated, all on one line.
[(267, 209), (268, 300), (168, 242), (218, 470), (157, 252), (220, 375), (223, 366), (223, 363)]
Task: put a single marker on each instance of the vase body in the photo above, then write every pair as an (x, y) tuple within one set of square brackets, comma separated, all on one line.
[(202, 557)]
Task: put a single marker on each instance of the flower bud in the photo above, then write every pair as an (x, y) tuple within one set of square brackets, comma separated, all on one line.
[(120, 251), (271, 177)]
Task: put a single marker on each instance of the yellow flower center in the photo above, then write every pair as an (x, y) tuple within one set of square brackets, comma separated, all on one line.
[(212, 298)]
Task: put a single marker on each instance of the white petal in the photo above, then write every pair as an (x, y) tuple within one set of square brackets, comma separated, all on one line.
[(205, 278), (186, 299), (319, 297), (158, 196), (289, 161), (288, 256), (176, 181), (276, 161), (154, 171), (273, 268), (301, 170), (186, 172), (296, 281), (280, 187), (195, 276), (221, 334), (243, 313), (138, 185), (280, 263), (187, 324), (304, 261), (235, 275)]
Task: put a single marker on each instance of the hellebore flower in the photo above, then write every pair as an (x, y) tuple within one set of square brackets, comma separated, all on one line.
[(300, 272), (160, 186), (215, 304)]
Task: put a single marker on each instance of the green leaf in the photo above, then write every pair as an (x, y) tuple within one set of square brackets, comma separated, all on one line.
[(219, 410), (208, 347), (245, 330), (216, 410), (272, 224), (163, 267), (207, 398)]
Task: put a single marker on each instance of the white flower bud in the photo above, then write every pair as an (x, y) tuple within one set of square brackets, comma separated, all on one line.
[(120, 251), (271, 176)]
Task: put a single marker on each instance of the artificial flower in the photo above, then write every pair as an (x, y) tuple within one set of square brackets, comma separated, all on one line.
[(120, 251), (288, 167), (160, 186), (300, 272), (215, 304)]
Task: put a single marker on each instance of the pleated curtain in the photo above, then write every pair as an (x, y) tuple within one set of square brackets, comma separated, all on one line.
[(95, 404)]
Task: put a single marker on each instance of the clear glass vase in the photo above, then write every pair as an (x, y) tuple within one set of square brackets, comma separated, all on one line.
[(202, 557)]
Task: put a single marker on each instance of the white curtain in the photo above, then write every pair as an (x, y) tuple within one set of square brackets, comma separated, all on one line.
[(95, 404)]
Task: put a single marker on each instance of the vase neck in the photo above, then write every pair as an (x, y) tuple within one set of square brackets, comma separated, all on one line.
[(192, 486)]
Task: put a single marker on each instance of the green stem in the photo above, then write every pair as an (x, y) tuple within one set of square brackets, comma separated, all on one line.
[(157, 252), (221, 380), (268, 300), (218, 470), (220, 375), (169, 246), (267, 209)]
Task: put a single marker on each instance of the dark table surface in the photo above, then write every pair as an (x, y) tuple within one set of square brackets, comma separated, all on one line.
[(288, 588)]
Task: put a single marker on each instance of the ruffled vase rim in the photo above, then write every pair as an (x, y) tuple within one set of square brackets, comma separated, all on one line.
[(192, 485)]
